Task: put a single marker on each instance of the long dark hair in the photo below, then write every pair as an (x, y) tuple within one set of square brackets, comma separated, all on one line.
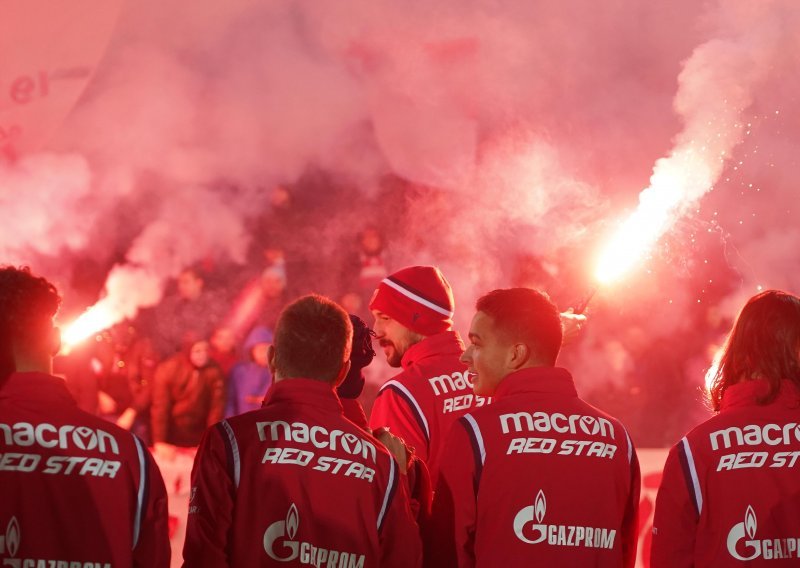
[(764, 343)]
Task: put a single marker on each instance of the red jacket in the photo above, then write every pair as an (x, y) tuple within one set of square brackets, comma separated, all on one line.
[(296, 483), (433, 391), (73, 487), (537, 478), (731, 488)]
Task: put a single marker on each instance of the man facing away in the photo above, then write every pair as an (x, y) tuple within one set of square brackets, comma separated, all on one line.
[(74, 489), (295, 481), (413, 310), (539, 477)]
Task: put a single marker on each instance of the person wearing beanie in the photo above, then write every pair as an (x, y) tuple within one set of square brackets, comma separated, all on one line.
[(413, 310)]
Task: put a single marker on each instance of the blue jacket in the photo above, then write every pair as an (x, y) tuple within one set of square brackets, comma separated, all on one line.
[(249, 381)]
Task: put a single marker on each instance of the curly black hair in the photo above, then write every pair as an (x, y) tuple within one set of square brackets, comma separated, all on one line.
[(28, 304)]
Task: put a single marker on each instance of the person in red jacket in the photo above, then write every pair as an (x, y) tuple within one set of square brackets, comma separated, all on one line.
[(413, 310), (539, 477), (74, 488), (295, 482), (730, 492)]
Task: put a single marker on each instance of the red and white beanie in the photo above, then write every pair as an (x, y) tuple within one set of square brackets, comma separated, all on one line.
[(419, 297)]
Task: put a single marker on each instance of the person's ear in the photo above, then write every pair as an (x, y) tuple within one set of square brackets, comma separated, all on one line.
[(271, 361), (342, 373), (518, 355)]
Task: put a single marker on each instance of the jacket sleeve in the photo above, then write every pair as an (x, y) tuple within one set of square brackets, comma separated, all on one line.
[(449, 534), (218, 395), (676, 517), (152, 548), (162, 403), (210, 505), (399, 537), (630, 523), (393, 412)]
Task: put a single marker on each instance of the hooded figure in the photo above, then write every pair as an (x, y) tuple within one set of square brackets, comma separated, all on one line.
[(250, 380)]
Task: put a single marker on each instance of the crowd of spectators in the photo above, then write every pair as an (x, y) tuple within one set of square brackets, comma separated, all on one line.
[(200, 354)]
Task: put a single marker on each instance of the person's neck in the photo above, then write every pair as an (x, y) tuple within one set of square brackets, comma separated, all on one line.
[(30, 366), (33, 361)]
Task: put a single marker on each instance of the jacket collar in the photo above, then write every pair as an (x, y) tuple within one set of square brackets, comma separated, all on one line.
[(305, 392), (747, 393), (37, 387), (540, 380), (445, 343)]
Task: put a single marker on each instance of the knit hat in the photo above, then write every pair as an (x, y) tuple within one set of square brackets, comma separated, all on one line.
[(419, 297)]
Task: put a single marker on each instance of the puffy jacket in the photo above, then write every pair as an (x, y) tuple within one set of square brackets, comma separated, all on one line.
[(186, 400), (74, 489), (295, 483), (537, 478), (730, 492), (433, 391)]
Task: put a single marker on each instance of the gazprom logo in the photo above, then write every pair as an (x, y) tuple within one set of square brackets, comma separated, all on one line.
[(9, 543), (738, 532), (281, 534)]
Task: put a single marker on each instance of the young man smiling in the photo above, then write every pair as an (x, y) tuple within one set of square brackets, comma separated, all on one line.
[(539, 477)]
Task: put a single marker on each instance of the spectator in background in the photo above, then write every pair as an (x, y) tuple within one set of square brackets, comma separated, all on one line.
[(260, 302), (188, 396), (371, 260), (192, 308), (719, 505), (250, 379), (223, 349), (124, 365), (83, 490), (365, 267)]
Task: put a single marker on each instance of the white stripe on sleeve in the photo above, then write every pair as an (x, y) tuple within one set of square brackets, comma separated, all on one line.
[(417, 407), (478, 436), (237, 465), (693, 471), (630, 447), (388, 494), (137, 523)]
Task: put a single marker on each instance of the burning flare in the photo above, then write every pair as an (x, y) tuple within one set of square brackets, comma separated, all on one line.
[(93, 320), (128, 288), (659, 206)]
